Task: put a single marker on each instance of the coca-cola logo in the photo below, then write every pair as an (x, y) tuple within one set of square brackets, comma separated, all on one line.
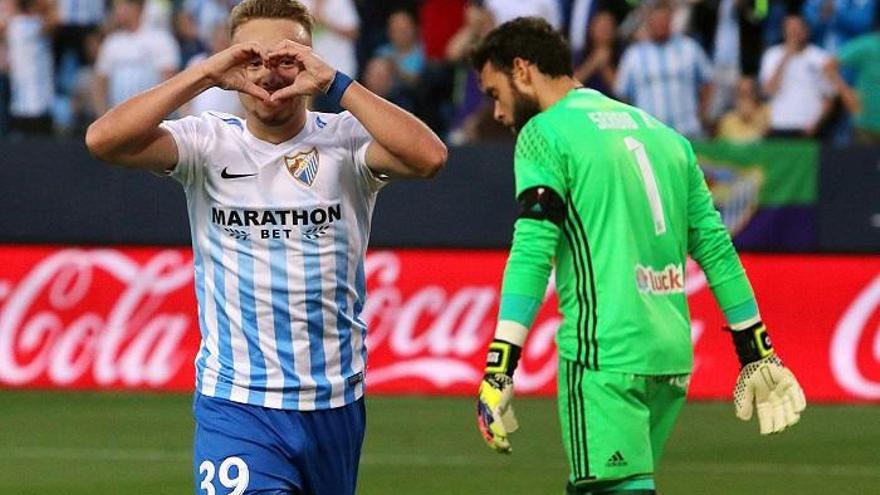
[(852, 330), (435, 334), (49, 328)]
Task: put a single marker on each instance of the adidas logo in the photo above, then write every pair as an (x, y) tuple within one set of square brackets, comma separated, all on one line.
[(616, 460)]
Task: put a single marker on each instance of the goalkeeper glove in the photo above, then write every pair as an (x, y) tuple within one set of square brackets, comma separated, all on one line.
[(765, 383), (494, 411)]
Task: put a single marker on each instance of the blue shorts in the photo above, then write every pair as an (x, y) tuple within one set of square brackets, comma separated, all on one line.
[(242, 449)]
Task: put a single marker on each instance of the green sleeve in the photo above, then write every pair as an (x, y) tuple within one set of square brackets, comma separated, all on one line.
[(528, 270), (853, 53), (709, 245), (537, 162)]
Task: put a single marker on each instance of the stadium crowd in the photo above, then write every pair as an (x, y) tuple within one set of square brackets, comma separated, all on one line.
[(739, 70)]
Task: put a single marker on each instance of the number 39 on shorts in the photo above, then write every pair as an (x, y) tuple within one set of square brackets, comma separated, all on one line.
[(232, 474)]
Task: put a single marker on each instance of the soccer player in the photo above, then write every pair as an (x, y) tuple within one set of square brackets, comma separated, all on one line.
[(615, 201), (279, 206)]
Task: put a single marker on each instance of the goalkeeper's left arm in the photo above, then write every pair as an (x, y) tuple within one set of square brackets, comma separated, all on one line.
[(764, 383), (536, 233)]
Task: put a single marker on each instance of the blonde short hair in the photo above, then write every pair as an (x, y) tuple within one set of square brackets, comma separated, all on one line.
[(270, 9)]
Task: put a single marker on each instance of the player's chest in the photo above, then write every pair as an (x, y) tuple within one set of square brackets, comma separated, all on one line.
[(306, 174)]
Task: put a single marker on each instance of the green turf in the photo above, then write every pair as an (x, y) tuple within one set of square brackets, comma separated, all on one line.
[(103, 444)]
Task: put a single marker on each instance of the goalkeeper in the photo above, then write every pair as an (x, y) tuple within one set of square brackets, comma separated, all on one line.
[(615, 201)]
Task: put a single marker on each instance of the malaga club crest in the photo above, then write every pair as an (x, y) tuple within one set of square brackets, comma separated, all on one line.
[(303, 166), (736, 192)]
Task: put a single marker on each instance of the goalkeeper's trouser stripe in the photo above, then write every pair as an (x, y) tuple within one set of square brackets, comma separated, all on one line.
[(577, 421)]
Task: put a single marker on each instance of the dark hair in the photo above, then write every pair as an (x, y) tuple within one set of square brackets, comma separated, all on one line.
[(413, 16), (528, 38), (270, 9)]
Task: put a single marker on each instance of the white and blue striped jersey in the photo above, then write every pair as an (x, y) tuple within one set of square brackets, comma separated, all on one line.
[(664, 79), (30, 67), (279, 234)]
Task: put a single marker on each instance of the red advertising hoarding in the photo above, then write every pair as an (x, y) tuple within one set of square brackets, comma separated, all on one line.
[(126, 319)]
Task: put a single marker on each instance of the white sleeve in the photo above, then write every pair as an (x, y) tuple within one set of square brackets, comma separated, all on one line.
[(360, 140), (189, 136), (102, 63), (819, 58), (768, 65)]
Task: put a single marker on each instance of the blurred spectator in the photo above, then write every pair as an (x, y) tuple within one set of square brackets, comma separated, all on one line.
[(603, 51), (669, 76), (834, 22), (7, 8), (83, 105), (207, 14), (862, 55), (379, 77), (373, 31), (445, 19), (505, 10), (731, 32), (133, 58), (792, 76), (157, 15), (577, 18), (28, 37), (472, 110), (215, 99), (76, 19), (333, 38), (186, 32), (336, 29), (750, 118), (404, 48)]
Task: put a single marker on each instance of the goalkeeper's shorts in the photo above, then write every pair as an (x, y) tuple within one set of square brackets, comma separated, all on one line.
[(249, 450), (615, 425)]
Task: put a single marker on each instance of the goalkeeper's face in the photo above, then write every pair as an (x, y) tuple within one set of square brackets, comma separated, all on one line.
[(268, 33), (513, 108)]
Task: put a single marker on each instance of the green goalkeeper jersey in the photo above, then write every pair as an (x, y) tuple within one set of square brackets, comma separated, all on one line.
[(636, 205)]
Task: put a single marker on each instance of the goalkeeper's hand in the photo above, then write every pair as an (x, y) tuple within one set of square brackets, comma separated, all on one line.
[(495, 415), (765, 383)]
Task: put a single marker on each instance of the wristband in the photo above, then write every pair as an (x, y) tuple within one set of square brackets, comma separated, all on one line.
[(502, 358), (752, 344), (337, 88)]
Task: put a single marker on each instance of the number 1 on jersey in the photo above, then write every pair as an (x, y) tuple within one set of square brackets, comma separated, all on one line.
[(638, 149)]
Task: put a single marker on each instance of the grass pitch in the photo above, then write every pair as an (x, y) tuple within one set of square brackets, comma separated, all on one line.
[(108, 444)]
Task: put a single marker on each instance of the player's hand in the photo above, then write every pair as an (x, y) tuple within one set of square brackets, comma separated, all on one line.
[(771, 388), (765, 383), (228, 69), (495, 415), (298, 63)]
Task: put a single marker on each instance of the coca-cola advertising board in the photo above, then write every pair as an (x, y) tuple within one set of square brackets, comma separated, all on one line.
[(125, 318)]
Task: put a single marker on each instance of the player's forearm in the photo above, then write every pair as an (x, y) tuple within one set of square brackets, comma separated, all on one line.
[(711, 247), (127, 125), (398, 131), (526, 274)]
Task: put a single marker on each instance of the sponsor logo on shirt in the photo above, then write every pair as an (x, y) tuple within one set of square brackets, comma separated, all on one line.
[(669, 280), (275, 224)]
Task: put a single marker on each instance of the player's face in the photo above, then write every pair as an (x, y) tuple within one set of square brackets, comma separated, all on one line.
[(268, 33), (512, 108)]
